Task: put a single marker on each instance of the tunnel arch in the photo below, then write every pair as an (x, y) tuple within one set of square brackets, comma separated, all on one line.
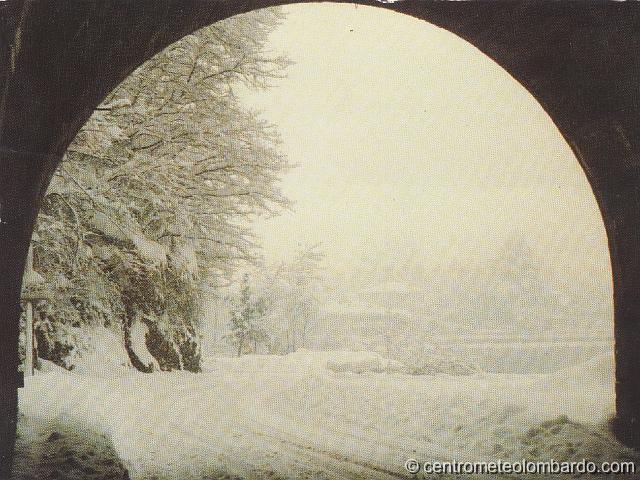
[(59, 60)]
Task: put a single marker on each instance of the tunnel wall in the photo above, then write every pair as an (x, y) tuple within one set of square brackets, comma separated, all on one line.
[(581, 61)]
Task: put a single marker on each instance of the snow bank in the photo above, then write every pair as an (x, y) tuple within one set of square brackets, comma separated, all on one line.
[(592, 382), (306, 360), (55, 450), (46, 366), (104, 354), (362, 362)]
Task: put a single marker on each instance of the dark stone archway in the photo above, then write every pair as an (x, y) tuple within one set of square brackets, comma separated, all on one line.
[(581, 61)]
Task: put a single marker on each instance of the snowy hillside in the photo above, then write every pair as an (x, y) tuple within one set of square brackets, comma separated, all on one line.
[(305, 415)]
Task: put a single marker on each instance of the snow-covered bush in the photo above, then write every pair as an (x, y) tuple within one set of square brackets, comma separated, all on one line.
[(61, 344), (431, 360), (371, 362)]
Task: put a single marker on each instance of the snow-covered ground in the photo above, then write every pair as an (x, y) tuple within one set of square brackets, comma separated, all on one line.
[(305, 415)]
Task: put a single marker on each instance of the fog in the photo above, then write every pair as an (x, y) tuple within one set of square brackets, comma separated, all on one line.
[(422, 161)]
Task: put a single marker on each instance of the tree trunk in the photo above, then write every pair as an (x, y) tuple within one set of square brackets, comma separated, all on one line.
[(135, 361), (240, 343)]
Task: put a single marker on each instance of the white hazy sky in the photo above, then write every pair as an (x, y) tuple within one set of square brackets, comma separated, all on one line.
[(413, 145)]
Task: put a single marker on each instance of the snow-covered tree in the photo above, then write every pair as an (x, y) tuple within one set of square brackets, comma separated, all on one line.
[(294, 289), (151, 199), (247, 319)]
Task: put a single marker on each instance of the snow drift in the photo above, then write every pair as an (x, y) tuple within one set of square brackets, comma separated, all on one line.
[(319, 415)]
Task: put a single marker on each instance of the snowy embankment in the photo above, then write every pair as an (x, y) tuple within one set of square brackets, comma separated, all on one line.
[(310, 415)]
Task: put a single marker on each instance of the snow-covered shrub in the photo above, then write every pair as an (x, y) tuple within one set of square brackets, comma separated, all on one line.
[(61, 343), (431, 361)]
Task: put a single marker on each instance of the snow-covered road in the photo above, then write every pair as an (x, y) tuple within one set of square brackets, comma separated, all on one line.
[(294, 417)]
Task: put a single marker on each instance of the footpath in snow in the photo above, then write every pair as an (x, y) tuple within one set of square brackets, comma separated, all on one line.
[(320, 415)]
